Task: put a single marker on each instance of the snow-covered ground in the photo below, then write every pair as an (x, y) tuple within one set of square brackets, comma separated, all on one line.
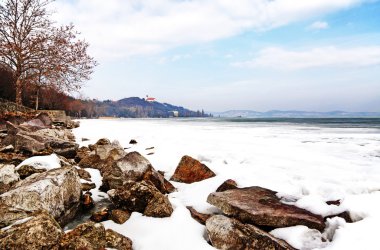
[(307, 165)]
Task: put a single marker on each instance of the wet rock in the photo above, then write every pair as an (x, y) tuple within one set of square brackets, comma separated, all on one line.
[(40, 231), (9, 215), (85, 139), (227, 185), (119, 216), (87, 201), (58, 191), (190, 170), (201, 218), (101, 215), (117, 241), (25, 171), (229, 233), (261, 206), (87, 186), (83, 174), (141, 197), (88, 235), (133, 141)]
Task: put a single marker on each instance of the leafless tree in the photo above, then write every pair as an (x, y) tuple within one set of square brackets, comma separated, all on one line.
[(39, 52)]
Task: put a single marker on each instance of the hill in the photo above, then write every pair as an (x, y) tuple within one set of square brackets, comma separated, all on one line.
[(295, 114), (136, 107)]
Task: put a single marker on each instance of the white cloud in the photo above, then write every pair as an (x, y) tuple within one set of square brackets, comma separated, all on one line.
[(120, 28), (319, 25), (279, 58)]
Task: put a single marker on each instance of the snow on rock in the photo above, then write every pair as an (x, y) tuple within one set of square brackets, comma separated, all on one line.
[(300, 237), (42, 162), (57, 191), (229, 233)]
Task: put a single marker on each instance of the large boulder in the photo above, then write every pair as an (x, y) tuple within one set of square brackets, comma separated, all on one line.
[(230, 234), (132, 167), (190, 170), (141, 197), (261, 206), (40, 231), (57, 191)]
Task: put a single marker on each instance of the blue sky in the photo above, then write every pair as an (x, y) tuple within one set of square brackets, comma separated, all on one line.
[(222, 55)]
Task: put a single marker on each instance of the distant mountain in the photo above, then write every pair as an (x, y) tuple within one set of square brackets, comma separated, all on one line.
[(294, 114), (136, 107)]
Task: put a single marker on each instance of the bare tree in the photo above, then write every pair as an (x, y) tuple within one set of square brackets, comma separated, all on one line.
[(38, 52)]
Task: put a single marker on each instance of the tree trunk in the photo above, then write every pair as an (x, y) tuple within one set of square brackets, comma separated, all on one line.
[(37, 99), (19, 91)]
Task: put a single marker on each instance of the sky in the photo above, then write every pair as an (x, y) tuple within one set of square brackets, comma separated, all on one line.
[(219, 55)]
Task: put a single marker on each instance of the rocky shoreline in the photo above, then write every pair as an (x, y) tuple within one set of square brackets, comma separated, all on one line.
[(38, 198)]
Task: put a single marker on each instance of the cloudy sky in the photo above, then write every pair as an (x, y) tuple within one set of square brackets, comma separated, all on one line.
[(221, 55)]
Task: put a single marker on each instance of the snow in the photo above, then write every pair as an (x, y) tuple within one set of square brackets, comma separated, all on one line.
[(308, 165), (47, 162), (96, 178)]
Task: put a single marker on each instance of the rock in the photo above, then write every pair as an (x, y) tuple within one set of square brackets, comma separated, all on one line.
[(201, 218), (190, 170), (83, 174), (91, 161), (25, 171), (12, 158), (85, 139), (227, 185), (336, 202), (101, 215), (117, 241), (87, 201), (31, 143), (133, 141), (103, 141), (229, 233), (100, 155), (132, 167), (141, 197), (87, 186), (88, 235), (119, 216), (63, 134), (9, 215), (40, 231), (57, 191), (66, 149), (45, 119), (260, 206), (169, 188), (8, 174), (82, 153), (7, 149)]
